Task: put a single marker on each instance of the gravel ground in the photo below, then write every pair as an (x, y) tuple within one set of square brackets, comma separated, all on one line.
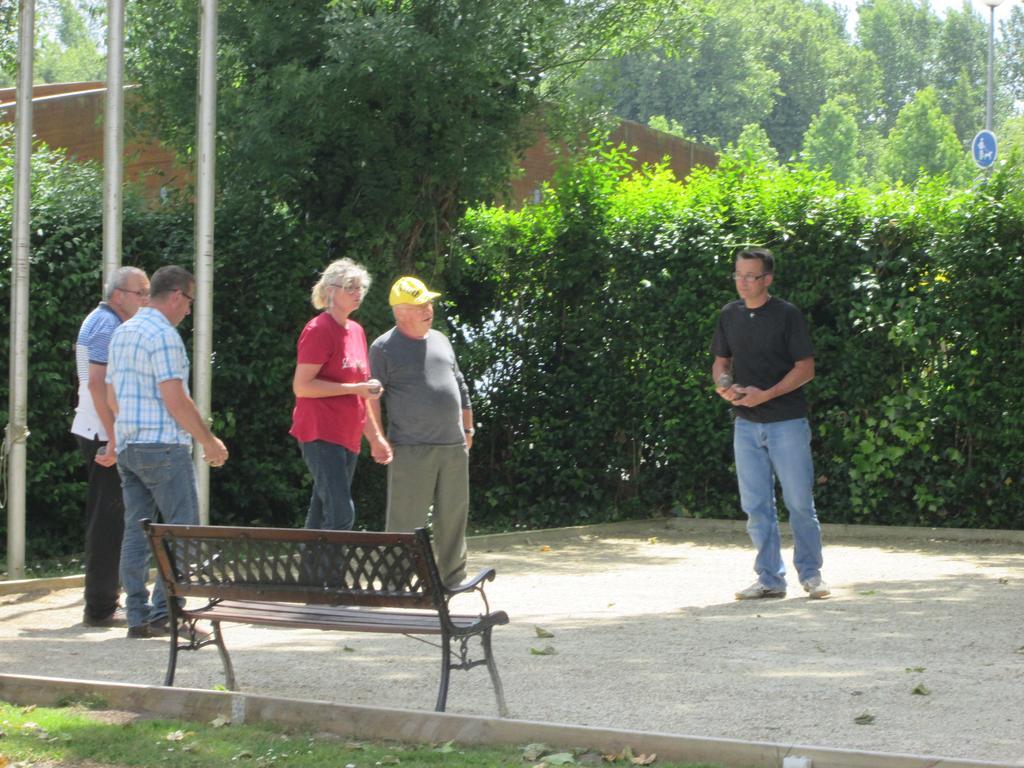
[(925, 637)]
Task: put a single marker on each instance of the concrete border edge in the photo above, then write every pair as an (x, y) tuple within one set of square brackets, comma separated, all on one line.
[(416, 726)]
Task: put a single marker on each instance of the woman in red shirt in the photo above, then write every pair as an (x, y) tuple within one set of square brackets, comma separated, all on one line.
[(331, 382)]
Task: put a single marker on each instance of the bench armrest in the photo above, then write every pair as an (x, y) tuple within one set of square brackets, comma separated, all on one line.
[(476, 584), (487, 574)]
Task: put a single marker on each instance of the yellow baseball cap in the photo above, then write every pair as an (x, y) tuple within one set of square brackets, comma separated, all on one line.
[(410, 290)]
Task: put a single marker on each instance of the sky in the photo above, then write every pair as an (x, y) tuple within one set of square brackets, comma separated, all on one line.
[(940, 7)]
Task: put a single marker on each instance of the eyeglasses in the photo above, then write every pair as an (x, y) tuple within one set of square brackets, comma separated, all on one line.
[(190, 299), (748, 278), (348, 288), (140, 294)]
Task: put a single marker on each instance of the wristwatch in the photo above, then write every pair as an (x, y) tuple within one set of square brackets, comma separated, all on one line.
[(469, 431)]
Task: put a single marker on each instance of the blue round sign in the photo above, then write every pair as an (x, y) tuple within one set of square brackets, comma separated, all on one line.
[(984, 148)]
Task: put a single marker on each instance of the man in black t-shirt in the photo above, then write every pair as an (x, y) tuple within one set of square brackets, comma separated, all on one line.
[(763, 358)]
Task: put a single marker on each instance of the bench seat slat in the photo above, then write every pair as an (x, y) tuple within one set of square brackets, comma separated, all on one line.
[(337, 618)]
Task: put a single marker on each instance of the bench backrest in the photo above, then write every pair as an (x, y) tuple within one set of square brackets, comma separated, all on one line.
[(395, 570)]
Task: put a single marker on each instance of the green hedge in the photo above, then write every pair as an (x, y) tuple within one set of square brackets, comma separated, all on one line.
[(595, 365), (267, 262), (584, 324)]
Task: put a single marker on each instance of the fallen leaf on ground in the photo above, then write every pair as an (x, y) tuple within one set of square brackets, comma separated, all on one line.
[(347, 649), (865, 719), (243, 755), (219, 721), (914, 669), (547, 650), (626, 755), (445, 748), (541, 632), (644, 759), (920, 690), (389, 760), (175, 736), (652, 540), (545, 548)]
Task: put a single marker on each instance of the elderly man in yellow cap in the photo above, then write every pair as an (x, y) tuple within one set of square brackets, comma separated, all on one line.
[(430, 426)]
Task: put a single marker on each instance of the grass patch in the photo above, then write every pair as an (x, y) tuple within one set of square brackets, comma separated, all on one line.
[(78, 735)]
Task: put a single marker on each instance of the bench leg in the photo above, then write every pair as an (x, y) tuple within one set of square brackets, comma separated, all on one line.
[(499, 689), (172, 662), (446, 671), (229, 670)]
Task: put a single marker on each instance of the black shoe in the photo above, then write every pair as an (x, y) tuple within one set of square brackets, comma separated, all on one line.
[(156, 628), (115, 619), (159, 628), (139, 632)]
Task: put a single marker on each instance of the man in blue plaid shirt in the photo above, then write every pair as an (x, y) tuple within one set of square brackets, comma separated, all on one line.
[(156, 419)]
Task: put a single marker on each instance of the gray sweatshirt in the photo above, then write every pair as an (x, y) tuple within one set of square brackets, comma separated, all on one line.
[(424, 391)]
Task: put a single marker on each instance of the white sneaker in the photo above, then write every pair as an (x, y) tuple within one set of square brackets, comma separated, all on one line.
[(757, 590), (816, 588)]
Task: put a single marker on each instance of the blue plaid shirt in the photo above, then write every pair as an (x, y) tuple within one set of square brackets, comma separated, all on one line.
[(145, 351)]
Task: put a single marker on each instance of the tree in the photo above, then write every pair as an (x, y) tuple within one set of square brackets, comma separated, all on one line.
[(713, 88), (1011, 139), (923, 141), (805, 43), (8, 44), (959, 72), (377, 122), (69, 43), (833, 141), (670, 126), (753, 148), (751, 61), (901, 36), (1011, 60)]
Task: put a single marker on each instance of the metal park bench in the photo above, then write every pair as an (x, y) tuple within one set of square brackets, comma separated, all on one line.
[(331, 580)]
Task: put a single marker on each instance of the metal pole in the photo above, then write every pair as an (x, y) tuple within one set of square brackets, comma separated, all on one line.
[(991, 47), (113, 139), (16, 435), (202, 327)]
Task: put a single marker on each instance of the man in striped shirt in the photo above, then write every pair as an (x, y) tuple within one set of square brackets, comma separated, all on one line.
[(126, 291), (156, 419)]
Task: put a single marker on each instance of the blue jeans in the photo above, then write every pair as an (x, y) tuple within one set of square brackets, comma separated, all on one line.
[(782, 450), (333, 467), (158, 482)]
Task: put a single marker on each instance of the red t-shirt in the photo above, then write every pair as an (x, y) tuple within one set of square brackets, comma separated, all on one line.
[(341, 353)]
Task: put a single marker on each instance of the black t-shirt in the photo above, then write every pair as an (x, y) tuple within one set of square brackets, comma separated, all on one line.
[(764, 343)]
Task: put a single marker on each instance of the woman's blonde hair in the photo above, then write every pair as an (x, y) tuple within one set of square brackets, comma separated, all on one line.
[(339, 274)]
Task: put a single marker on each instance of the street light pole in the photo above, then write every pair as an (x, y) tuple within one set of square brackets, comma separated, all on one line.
[(992, 4)]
